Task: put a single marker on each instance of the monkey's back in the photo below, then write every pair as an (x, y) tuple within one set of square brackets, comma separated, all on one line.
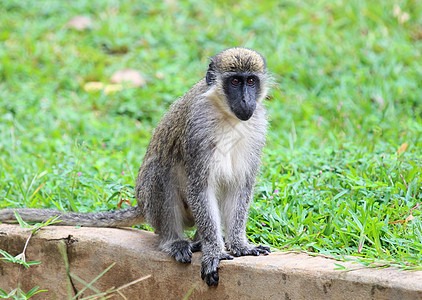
[(169, 137), (166, 155)]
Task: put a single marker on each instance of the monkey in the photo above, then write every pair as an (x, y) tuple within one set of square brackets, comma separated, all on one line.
[(199, 168)]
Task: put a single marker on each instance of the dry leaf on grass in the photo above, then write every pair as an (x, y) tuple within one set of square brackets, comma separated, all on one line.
[(95, 86), (159, 75), (128, 75), (402, 148), (119, 205), (401, 16), (133, 77), (80, 23), (410, 218), (378, 99), (112, 88)]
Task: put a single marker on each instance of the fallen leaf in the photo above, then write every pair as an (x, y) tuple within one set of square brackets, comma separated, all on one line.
[(159, 75), (404, 17), (80, 23), (410, 218), (401, 16), (93, 86), (379, 100), (112, 88), (128, 75), (402, 148), (126, 201), (396, 10), (397, 222)]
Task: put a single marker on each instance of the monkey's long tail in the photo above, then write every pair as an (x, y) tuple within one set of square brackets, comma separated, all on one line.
[(117, 218)]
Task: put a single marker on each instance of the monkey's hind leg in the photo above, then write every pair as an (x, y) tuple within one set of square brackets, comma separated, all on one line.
[(174, 244), (235, 216), (171, 229)]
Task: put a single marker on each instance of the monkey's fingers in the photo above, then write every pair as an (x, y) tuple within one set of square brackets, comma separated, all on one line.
[(209, 270)]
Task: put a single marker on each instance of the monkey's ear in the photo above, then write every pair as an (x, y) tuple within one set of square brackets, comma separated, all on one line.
[(210, 77)]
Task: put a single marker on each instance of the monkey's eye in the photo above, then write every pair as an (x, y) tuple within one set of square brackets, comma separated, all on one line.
[(235, 81), (251, 81)]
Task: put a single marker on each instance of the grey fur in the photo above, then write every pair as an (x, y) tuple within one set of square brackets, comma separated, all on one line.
[(199, 169)]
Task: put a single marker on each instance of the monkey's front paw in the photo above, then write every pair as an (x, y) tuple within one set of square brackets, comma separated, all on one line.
[(209, 268), (250, 250)]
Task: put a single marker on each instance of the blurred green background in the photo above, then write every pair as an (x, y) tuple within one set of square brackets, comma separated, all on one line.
[(342, 168)]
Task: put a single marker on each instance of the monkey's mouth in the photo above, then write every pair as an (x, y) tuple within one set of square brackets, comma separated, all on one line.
[(244, 110), (244, 116)]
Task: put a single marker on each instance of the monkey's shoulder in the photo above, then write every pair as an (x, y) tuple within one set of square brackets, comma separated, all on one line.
[(170, 134)]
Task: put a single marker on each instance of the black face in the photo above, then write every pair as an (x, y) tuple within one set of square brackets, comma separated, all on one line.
[(242, 91)]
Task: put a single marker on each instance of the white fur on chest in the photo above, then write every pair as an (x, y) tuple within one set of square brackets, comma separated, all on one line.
[(230, 162)]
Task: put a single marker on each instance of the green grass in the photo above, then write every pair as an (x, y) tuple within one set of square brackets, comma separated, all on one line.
[(347, 95)]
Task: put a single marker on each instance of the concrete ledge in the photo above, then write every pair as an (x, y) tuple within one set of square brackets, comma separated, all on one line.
[(281, 275)]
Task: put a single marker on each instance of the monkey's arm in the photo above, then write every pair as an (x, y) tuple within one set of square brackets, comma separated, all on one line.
[(204, 208), (202, 200)]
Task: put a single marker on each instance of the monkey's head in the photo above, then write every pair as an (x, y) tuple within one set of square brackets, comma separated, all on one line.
[(240, 75)]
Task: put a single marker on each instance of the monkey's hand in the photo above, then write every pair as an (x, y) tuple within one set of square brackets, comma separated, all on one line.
[(209, 268), (249, 249)]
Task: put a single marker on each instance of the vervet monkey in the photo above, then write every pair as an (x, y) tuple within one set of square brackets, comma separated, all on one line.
[(199, 169)]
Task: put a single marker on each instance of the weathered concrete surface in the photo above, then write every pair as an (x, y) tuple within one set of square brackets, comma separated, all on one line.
[(280, 275)]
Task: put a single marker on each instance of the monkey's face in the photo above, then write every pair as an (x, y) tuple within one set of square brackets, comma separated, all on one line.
[(242, 91)]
